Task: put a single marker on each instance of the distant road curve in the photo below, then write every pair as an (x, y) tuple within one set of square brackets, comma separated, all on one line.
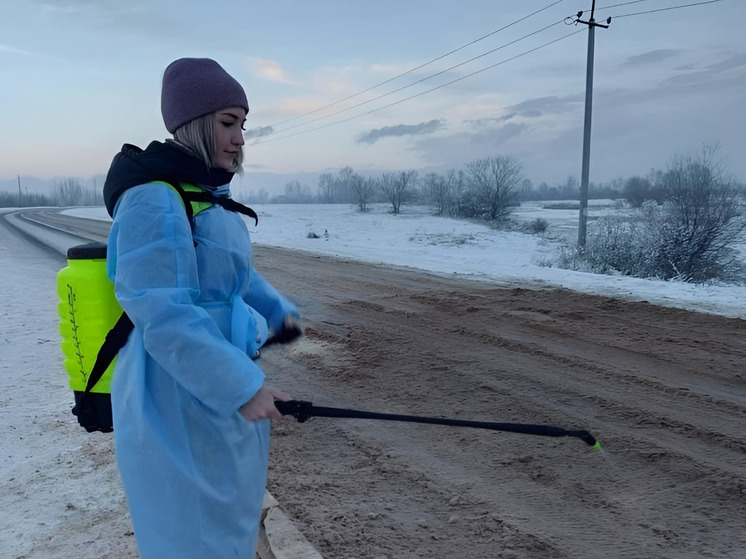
[(52, 230)]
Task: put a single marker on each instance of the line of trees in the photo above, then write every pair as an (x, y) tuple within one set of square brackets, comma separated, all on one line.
[(395, 188), (485, 188), (66, 192)]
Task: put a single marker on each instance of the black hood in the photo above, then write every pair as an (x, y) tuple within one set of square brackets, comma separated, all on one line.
[(160, 161)]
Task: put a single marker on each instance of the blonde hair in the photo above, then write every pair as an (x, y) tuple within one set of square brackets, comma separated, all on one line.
[(198, 135)]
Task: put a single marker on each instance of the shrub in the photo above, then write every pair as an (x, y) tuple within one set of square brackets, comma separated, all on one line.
[(690, 237), (537, 226)]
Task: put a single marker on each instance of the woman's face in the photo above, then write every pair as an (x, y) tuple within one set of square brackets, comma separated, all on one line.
[(228, 136)]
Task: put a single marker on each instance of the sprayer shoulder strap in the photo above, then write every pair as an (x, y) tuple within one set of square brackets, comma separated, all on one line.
[(114, 341), (195, 200)]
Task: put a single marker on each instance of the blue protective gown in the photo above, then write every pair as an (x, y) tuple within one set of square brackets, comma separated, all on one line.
[(194, 471)]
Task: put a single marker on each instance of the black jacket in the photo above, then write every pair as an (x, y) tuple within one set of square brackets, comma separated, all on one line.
[(160, 161)]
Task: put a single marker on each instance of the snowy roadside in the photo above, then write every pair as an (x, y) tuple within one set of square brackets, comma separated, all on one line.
[(61, 492)]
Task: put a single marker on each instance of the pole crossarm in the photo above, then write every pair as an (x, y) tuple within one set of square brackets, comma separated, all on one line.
[(594, 24)]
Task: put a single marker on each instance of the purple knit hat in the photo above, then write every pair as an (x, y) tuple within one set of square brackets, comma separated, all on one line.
[(194, 87)]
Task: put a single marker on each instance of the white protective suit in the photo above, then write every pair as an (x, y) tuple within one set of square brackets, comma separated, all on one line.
[(194, 471)]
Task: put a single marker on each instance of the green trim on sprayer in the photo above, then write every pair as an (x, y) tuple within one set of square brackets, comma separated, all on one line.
[(187, 187)]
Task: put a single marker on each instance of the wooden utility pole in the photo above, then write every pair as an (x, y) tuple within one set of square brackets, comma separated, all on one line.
[(583, 218)]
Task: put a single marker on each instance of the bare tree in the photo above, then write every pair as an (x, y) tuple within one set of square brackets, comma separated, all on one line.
[(69, 192), (570, 189), (704, 216), (456, 186), (326, 188), (364, 188), (261, 197), (526, 189), (344, 184), (297, 193), (397, 187), (492, 183), (691, 237), (436, 188), (636, 191)]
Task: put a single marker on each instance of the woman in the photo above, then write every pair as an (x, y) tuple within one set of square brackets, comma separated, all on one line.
[(190, 408)]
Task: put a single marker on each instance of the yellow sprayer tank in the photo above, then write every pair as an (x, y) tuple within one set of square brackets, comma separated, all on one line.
[(88, 310)]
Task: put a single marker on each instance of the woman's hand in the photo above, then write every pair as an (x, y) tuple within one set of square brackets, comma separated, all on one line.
[(262, 405), (291, 329)]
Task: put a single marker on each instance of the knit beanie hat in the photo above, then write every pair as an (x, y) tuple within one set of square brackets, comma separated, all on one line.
[(194, 87)]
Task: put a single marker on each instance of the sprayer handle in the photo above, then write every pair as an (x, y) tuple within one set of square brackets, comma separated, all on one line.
[(299, 409)]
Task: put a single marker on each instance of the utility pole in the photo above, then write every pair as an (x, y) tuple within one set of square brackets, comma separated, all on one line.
[(20, 201), (583, 218)]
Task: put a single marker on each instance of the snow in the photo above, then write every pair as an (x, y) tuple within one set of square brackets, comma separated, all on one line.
[(56, 477), (417, 239)]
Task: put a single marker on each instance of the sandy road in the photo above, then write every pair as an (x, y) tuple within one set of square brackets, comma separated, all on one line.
[(663, 389)]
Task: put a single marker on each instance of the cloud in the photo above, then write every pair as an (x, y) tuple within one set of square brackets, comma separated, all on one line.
[(13, 50), (123, 14), (271, 71), (134, 18), (487, 122), (730, 63), (82, 5), (727, 69), (502, 134), (534, 108), (258, 132), (454, 150), (400, 130), (298, 105), (652, 57)]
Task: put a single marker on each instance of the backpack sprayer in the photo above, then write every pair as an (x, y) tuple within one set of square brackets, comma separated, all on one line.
[(94, 328), (93, 325)]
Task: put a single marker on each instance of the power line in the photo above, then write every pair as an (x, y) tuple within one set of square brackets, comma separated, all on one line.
[(417, 67), (668, 8), (418, 81), (423, 92), (622, 4)]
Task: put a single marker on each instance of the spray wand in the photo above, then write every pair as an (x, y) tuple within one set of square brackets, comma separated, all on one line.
[(303, 410)]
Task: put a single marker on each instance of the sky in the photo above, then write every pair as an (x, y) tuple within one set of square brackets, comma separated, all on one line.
[(428, 85)]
